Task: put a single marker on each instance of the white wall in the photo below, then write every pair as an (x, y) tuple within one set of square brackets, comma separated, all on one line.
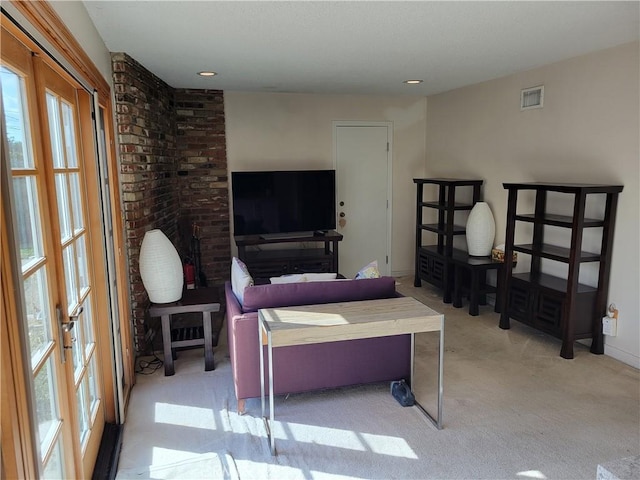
[(269, 131), (587, 132), (77, 20)]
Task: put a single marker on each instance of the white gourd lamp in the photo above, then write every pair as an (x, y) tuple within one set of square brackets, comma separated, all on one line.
[(480, 230), (160, 268)]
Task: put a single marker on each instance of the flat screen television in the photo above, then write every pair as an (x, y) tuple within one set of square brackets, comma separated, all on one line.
[(271, 204)]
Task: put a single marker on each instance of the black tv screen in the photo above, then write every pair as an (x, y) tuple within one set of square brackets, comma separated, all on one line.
[(280, 202)]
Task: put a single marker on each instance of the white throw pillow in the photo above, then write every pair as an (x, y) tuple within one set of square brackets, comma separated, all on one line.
[(304, 277), (295, 278), (240, 278), (320, 277)]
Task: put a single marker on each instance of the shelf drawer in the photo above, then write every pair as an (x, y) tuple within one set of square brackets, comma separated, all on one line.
[(519, 302), (432, 268), (548, 313)]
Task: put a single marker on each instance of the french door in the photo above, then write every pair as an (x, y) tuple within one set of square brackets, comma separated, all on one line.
[(50, 164)]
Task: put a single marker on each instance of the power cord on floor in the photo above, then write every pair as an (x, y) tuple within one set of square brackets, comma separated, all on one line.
[(147, 367)]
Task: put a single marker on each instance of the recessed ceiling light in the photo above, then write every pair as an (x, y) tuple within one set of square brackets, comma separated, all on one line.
[(207, 74), (413, 82)]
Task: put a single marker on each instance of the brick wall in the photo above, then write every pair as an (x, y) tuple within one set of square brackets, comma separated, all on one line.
[(173, 172), (202, 178)]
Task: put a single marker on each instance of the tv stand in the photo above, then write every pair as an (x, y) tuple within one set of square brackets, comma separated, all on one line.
[(265, 263), (285, 236)]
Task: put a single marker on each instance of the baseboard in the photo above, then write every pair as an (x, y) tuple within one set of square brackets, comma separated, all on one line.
[(107, 462), (621, 355), (401, 273)]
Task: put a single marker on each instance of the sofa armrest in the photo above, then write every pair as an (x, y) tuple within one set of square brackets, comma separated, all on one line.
[(233, 306), (242, 339)]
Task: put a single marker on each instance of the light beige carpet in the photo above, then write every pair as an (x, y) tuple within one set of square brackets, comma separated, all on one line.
[(512, 409)]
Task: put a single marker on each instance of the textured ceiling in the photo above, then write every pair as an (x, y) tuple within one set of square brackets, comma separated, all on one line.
[(355, 47)]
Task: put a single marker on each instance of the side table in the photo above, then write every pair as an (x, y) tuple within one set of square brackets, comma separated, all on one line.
[(198, 300), (477, 268)]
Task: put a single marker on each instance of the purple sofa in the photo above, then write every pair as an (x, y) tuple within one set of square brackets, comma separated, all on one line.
[(302, 368)]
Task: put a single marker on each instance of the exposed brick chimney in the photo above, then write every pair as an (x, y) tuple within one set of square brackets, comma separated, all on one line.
[(173, 172)]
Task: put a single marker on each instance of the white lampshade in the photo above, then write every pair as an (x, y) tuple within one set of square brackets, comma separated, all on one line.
[(160, 268), (481, 230)]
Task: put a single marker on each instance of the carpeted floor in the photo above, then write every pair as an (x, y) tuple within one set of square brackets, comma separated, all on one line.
[(512, 409)]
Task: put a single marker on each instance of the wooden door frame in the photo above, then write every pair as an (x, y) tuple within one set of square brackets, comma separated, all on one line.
[(389, 125)]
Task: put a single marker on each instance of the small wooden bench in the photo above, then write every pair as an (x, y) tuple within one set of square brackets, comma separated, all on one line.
[(198, 300)]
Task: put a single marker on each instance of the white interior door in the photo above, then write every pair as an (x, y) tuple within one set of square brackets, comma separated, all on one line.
[(363, 177)]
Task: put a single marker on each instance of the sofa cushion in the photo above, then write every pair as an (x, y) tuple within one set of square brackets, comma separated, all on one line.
[(240, 278), (304, 277), (309, 293)]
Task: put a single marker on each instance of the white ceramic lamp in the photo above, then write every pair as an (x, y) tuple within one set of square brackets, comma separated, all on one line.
[(160, 268), (481, 230)]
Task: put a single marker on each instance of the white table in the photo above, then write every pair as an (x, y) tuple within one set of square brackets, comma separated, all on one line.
[(331, 322)]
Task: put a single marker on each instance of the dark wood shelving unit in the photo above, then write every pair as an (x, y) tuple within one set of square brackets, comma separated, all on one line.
[(562, 307), (433, 262), (275, 262)]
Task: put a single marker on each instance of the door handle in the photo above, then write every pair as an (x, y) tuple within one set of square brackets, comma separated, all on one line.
[(65, 328), (73, 319), (62, 331)]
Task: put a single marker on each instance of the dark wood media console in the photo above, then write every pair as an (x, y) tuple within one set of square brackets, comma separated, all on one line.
[(275, 262)]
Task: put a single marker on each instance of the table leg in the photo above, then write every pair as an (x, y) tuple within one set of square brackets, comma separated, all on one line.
[(448, 271), (208, 342), (166, 342), (268, 423), (457, 287), (473, 294), (440, 374), (499, 281), (261, 365), (413, 356), (437, 422), (272, 416), (482, 300)]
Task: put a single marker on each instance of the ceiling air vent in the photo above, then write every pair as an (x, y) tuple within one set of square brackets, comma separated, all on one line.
[(531, 97)]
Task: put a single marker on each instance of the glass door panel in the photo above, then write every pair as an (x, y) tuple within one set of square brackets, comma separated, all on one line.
[(45, 123), (63, 119), (39, 320), (37, 266), (54, 466), (16, 115), (28, 219)]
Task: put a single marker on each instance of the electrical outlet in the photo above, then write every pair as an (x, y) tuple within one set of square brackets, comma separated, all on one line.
[(610, 326)]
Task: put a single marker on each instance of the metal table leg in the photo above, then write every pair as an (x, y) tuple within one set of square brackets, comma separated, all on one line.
[(268, 423), (437, 422)]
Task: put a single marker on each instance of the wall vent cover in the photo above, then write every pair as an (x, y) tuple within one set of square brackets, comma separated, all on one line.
[(532, 97)]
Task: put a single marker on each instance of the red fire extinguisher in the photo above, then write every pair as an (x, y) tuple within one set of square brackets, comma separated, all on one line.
[(190, 275)]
